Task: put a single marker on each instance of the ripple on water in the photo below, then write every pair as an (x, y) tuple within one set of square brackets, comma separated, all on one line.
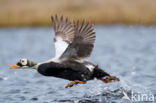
[(34, 99), (3, 77), (14, 91)]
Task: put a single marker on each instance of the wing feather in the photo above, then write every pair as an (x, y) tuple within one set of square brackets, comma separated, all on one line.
[(63, 28), (64, 33), (83, 42)]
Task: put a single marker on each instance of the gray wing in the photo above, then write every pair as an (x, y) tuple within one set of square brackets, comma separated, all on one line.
[(64, 34), (63, 28), (82, 44)]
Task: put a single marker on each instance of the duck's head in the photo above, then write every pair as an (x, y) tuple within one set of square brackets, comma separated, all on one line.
[(24, 63)]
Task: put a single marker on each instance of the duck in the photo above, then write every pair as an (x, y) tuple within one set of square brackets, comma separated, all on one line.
[(74, 42)]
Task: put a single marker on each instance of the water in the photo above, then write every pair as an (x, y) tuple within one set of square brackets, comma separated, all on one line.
[(128, 52)]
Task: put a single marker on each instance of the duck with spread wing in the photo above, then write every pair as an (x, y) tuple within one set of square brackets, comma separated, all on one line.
[(74, 43)]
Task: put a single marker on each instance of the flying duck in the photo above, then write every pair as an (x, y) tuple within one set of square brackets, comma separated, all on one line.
[(74, 42)]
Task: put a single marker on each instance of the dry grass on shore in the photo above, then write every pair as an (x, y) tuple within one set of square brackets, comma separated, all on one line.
[(38, 12)]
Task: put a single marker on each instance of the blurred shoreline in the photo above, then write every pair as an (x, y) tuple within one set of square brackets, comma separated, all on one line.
[(38, 12)]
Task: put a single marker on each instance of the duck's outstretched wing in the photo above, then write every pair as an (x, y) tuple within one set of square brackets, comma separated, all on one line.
[(64, 34), (83, 42)]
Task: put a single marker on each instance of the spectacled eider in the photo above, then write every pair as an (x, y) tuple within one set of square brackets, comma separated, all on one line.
[(73, 44)]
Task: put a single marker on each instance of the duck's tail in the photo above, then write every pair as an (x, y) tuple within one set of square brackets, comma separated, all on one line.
[(103, 76)]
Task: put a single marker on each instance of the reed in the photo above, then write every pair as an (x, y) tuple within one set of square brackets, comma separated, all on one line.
[(38, 12)]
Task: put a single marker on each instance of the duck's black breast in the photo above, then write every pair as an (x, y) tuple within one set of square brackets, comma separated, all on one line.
[(69, 70)]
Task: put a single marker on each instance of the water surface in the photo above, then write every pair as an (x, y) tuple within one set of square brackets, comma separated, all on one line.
[(128, 52)]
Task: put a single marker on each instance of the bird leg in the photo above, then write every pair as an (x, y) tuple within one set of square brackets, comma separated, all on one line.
[(75, 82), (109, 79)]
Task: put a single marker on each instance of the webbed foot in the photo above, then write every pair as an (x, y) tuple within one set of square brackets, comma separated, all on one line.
[(75, 82), (109, 79)]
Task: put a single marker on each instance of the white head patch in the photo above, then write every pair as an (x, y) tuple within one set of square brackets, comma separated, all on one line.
[(23, 61)]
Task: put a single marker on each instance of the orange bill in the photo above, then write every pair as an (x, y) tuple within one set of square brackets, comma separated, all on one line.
[(14, 67)]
